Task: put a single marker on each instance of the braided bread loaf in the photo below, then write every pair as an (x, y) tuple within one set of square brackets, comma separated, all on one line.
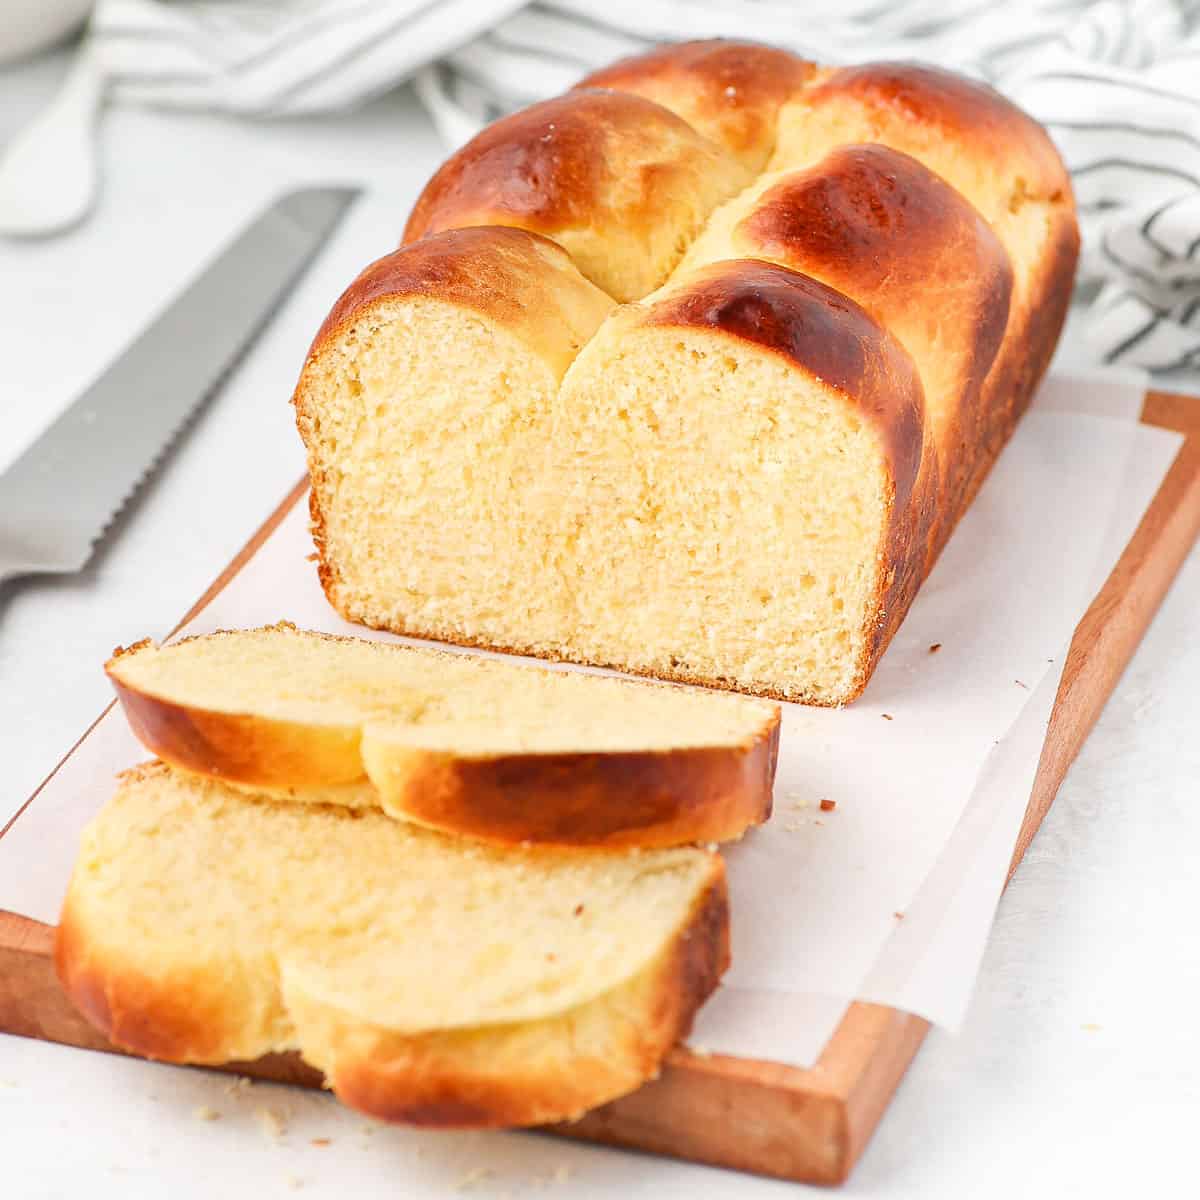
[(838, 289)]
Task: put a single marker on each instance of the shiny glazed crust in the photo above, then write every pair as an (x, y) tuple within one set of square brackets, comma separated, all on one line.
[(648, 798), (915, 108), (730, 91), (618, 180), (838, 220), (528, 1073)]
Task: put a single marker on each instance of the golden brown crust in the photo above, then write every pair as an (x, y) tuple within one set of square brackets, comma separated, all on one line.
[(644, 798), (242, 747), (928, 103), (191, 1017), (603, 173), (730, 91), (426, 1081), (496, 269), (544, 168), (838, 220), (1023, 359), (649, 797)]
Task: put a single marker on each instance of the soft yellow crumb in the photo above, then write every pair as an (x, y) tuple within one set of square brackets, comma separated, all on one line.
[(204, 1113)]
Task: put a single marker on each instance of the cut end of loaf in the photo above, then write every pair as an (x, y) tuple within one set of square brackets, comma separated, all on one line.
[(751, 558), (432, 980)]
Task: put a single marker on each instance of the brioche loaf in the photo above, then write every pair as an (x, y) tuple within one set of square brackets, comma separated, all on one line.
[(492, 749), (434, 981), (744, 475)]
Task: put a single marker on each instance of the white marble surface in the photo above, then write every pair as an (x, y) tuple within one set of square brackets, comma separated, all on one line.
[(1079, 1069)]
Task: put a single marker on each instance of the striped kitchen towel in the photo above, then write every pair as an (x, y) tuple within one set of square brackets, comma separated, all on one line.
[(1117, 82)]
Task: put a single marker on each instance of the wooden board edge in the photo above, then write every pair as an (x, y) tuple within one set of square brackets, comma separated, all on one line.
[(749, 1101), (829, 1111)]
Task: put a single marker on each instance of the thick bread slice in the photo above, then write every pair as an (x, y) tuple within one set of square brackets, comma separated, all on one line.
[(434, 981), (621, 183), (493, 749)]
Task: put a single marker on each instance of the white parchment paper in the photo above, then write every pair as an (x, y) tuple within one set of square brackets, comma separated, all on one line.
[(890, 895)]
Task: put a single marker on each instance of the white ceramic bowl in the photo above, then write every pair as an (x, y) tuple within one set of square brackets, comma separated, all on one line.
[(27, 26)]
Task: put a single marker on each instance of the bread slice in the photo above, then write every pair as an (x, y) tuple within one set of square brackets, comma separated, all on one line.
[(435, 981), (493, 749)]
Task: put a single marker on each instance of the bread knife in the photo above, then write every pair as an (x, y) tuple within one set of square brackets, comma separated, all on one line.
[(59, 496)]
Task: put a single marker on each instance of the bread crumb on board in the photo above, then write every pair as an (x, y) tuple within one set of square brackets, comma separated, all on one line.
[(204, 1113), (561, 1174), (887, 716), (828, 805), (898, 915), (935, 647), (273, 1122), (474, 1177), (236, 1087), (294, 1182)]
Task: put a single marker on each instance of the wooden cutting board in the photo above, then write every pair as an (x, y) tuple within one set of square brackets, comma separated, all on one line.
[(806, 1124)]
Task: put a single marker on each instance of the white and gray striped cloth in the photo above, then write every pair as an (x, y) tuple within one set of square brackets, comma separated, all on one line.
[(1117, 82)]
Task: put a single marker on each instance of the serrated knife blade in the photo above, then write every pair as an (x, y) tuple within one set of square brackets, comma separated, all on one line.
[(58, 497)]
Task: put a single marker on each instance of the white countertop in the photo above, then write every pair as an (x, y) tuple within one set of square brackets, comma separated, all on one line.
[(1079, 1068)]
